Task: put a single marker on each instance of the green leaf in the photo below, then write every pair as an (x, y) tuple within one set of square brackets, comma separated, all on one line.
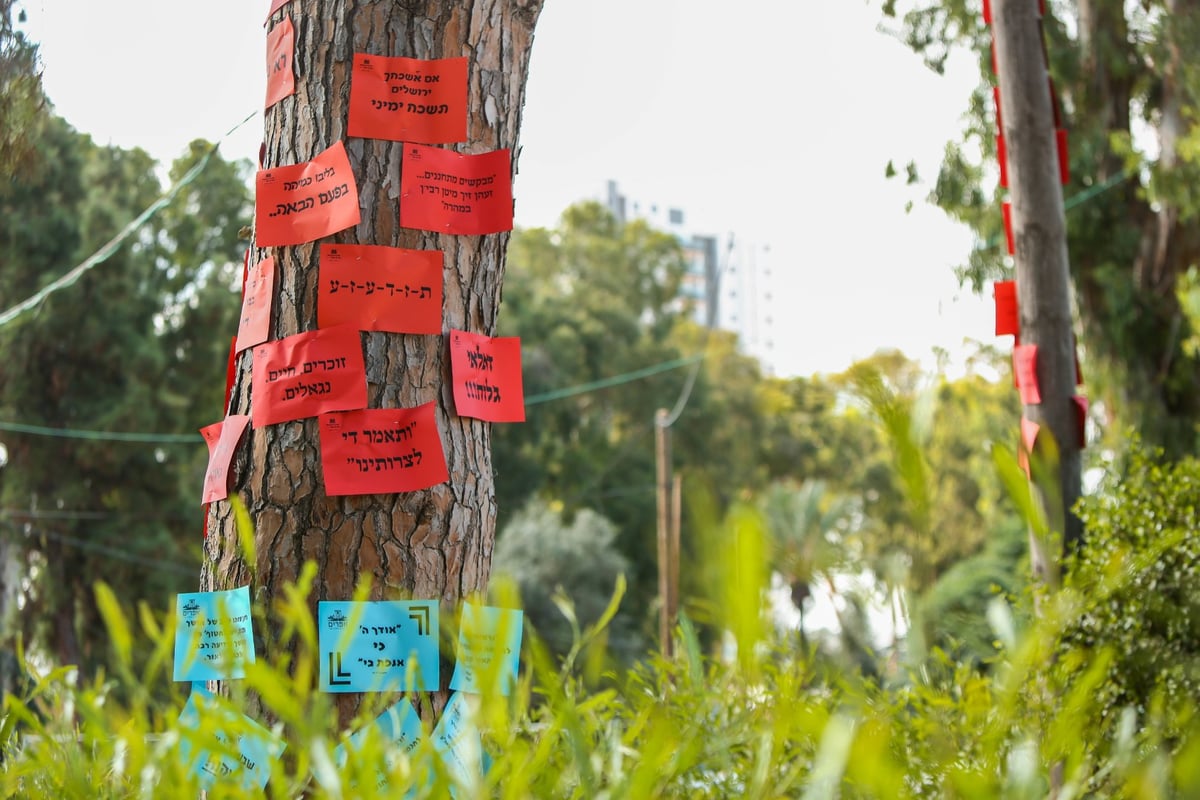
[(115, 622)]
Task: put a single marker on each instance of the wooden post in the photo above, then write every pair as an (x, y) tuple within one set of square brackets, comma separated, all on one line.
[(1040, 246), (662, 455), (673, 550)]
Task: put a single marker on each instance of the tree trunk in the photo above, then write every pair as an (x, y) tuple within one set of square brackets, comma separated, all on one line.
[(1040, 237), (431, 544), (11, 574)]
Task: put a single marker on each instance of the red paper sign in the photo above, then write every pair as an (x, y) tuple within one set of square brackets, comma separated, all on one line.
[(1007, 319), (487, 377), (303, 202), (382, 451), (255, 325), (281, 78), (408, 99), (1081, 409), (378, 288), (1025, 368), (1029, 434), (448, 192), (1064, 160), (1006, 210), (308, 374), (1002, 157), (222, 439)]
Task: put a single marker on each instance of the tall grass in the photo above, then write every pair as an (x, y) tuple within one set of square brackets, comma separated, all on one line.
[(758, 720)]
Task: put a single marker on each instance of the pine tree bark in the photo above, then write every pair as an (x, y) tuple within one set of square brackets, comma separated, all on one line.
[(432, 544)]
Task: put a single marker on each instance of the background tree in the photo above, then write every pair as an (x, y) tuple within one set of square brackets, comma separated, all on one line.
[(435, 543), (20, 92), (809, 535), (93, 357), (552, 559), (607, 341), (593, 300), (1128, 98)]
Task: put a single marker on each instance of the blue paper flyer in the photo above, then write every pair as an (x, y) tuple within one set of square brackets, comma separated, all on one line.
[(256, 747), (398, 729), (214, 635), (489, 649), (377, 646)]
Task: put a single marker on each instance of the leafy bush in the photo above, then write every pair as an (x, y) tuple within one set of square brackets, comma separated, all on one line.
[(551, 560), (1135, 580), (759, 723)]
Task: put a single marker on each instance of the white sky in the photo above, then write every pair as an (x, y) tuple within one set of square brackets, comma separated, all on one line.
[(772, 119)]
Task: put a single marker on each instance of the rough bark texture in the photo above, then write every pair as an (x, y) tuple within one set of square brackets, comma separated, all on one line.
[(428, 544), (1040, 238)]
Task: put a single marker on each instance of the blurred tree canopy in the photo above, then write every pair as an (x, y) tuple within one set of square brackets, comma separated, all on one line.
[(20, 93), (597, 301), (137, 344)]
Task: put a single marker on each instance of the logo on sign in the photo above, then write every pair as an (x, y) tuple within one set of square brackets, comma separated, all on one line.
[(191, 608), (337, 620)]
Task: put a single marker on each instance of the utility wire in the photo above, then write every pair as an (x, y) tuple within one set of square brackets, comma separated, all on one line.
[(1075, 200), (30, 514), (106, 436), (116, 553), (195, 438), (616, 380), (115, 243)]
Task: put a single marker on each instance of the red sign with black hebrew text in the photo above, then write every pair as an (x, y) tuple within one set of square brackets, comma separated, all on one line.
[(281, 77), (487, 377), (222, 439), (303, 202), (447, 192), (308, 374), (377, 288), (382, 451), (1025, 368), (1081, 408), (254, 326), (409, 99), (1007, 319)]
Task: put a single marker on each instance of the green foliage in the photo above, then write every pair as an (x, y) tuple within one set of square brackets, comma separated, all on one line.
[(21, 94), (129, 347), (1136, 575), (757, 723), (551, 560), (1128, 98), (591, 299)]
